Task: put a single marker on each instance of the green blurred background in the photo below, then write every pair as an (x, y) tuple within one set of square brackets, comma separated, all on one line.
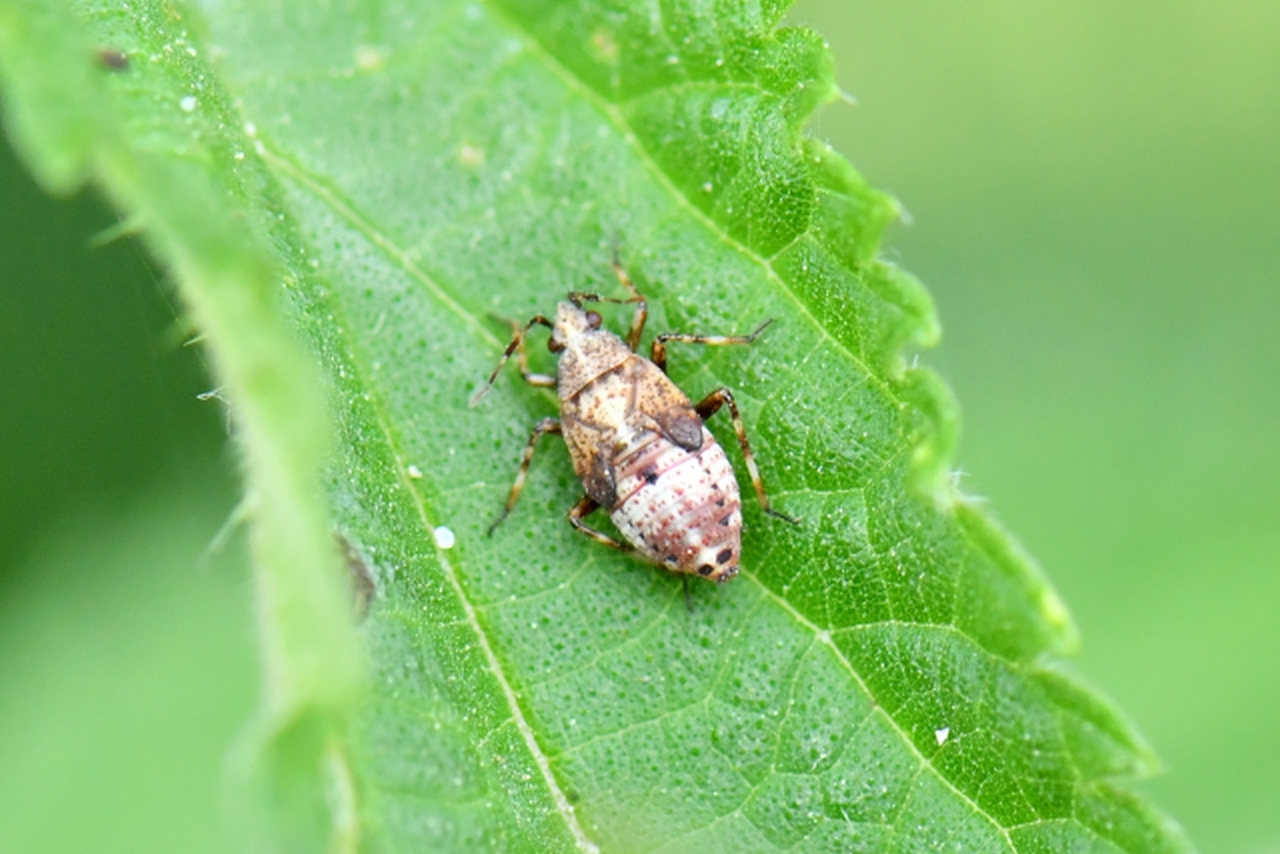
[(1096, 194)]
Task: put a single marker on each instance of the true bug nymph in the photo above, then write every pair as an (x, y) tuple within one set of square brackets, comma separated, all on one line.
[(638, 444)]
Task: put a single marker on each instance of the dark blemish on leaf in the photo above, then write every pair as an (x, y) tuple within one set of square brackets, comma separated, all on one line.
[(113, 59), (360, 575)]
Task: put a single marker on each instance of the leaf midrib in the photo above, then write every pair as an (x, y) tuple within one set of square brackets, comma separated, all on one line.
[(517, 717)]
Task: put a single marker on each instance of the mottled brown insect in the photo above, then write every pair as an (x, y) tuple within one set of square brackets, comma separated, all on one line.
[(637, 443)]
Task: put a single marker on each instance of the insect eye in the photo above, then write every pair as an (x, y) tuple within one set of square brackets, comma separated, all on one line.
[(593, 319), (554, 345)]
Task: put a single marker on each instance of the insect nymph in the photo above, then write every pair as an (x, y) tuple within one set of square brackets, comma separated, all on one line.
[(638, 444)]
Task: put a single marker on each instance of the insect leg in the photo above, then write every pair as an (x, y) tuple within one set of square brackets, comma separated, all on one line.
[(642, 307), (709, 406), (658, 354), (546, 425), (586, 507), (522, 359)]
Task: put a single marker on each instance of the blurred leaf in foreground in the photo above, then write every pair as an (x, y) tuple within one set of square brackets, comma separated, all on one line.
[(879, 678)]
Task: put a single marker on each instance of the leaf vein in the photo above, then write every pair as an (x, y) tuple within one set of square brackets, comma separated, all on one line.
[(825, 637), (566, 810)]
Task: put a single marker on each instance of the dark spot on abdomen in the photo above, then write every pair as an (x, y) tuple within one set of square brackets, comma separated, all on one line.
[(724, 556)]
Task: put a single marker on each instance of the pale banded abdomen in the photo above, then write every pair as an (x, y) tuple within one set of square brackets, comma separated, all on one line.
[(680, 508)]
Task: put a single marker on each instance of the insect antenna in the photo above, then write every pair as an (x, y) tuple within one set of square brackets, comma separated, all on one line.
[(516, 341)]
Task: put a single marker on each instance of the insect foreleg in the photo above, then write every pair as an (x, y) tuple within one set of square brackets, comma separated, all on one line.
[(709, 406), (546, 425), (522, 359), (586, 507), (658, 354)]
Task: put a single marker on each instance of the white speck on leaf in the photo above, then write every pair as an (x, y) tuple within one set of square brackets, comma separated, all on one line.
[(415, 472), (370, 58), (444, 537), (188, 104), (942, 735), (471, 156)]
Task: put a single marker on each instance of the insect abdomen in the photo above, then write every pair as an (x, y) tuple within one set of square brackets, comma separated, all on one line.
[(680, 508)]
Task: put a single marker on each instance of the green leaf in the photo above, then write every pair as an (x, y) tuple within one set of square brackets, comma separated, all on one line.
[(391, 176)]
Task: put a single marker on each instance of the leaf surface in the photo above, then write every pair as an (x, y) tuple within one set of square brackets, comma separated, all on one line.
[(879, 678)]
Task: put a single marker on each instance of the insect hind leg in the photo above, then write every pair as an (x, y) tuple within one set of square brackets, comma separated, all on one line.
[(709, 406), (543, 427), (586, 507)]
